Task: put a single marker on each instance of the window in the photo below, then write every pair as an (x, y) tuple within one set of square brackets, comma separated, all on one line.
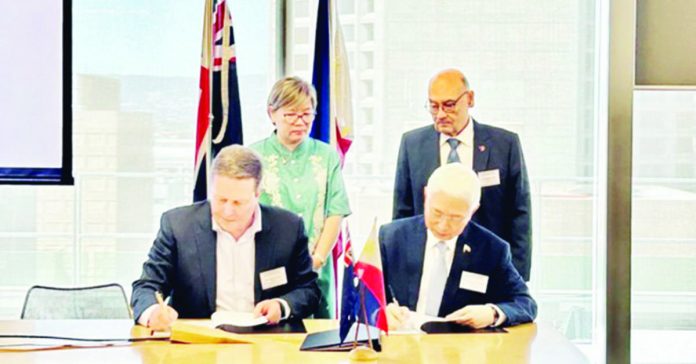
[(368, 6), (301, 34), (301, 8), (135, 104), (366, 89), (533, 72), (348, 33), (664, 234), (367, 32), (346, 7)]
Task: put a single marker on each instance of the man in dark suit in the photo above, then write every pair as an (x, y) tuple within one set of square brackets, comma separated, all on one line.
[(442, 264), (228, 254), (494, 153)]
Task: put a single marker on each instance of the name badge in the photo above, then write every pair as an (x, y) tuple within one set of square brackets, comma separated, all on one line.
[(489, 178), (473, 282), (273, 278)]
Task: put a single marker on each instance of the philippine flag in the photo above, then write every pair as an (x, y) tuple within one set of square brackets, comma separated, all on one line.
[(365, 295)]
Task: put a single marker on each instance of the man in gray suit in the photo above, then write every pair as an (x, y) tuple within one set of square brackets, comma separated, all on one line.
[(228, 254), (494, 153)]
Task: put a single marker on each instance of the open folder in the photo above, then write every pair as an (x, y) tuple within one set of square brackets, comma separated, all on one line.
[(449, 327), (246, 323), (331, 340)]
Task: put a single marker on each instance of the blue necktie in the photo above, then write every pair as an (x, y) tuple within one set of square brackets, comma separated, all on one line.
[(438, 278), (453, 157)]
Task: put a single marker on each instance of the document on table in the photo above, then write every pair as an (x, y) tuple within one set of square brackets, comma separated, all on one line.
[(414, 323), (21, 342), (31, 344), (239, 319)]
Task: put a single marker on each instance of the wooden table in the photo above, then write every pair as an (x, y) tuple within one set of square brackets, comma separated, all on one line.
[(529, 343)]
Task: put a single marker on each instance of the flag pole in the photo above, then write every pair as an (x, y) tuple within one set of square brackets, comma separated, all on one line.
[(362, 353), (364, 312), (357, 330), (211, 115)]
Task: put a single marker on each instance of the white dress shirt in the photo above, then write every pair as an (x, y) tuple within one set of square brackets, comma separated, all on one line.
[(428, 262), (235, 271), (235, 268), (465, 149)]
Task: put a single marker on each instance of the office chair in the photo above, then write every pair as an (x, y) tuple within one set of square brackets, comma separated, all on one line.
[(107, 301)]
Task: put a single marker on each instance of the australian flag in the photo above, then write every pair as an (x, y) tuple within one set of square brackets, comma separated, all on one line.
[(350, 300), (219, 121)]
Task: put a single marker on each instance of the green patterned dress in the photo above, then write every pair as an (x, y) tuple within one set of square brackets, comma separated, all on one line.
[(308, 182)]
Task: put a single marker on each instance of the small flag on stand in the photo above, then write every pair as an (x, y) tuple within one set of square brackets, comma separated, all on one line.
[(364, 299)]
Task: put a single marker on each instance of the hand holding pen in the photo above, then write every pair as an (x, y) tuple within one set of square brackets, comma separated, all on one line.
[(397, 316), (163, 315)]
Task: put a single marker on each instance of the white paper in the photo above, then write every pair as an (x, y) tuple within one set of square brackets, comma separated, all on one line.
[(415, 321), (239, 319), (27, 344)]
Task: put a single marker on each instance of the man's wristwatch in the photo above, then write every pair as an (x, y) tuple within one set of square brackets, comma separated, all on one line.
[(496, 316), (282, 310)]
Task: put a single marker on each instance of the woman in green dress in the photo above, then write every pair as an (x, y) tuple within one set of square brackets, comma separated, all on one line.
[(303, 175)]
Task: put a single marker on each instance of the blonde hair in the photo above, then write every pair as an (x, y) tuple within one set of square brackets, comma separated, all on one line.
[(236, 161), (457, 181), (291, 92)]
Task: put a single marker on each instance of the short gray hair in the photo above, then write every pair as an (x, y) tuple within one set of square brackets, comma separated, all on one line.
[(458, 181), (291, 92), (236, 161)]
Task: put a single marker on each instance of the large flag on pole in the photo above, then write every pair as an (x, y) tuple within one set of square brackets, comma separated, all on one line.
[(219, 114), (363, 294), (331, 78)]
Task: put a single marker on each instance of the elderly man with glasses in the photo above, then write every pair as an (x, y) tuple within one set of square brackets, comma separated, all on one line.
[(441, 264), (494, 153)]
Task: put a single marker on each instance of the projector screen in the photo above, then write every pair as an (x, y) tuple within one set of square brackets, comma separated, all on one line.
[(35, 95)]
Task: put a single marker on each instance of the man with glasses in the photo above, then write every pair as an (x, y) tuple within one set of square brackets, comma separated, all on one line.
[(442, 265), (494, 153)]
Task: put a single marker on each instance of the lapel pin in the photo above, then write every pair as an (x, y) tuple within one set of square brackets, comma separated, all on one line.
[(482, 148), (467, 249)]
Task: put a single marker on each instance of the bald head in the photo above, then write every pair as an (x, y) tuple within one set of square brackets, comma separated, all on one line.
[(450, 77)]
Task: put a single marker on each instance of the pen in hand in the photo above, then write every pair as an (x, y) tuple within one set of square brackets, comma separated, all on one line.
[(391, 292), (162, 305), (399, 316)]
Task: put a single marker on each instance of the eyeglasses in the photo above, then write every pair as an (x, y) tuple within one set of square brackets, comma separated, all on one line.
[(293, 117), (440, 216), (448, 106)]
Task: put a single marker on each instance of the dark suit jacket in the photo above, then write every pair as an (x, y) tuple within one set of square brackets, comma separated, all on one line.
[(505, 208), (182, 263), (402, 244)]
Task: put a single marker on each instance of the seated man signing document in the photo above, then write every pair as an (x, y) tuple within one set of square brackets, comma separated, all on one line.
[(229, 253), (441, 264)]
